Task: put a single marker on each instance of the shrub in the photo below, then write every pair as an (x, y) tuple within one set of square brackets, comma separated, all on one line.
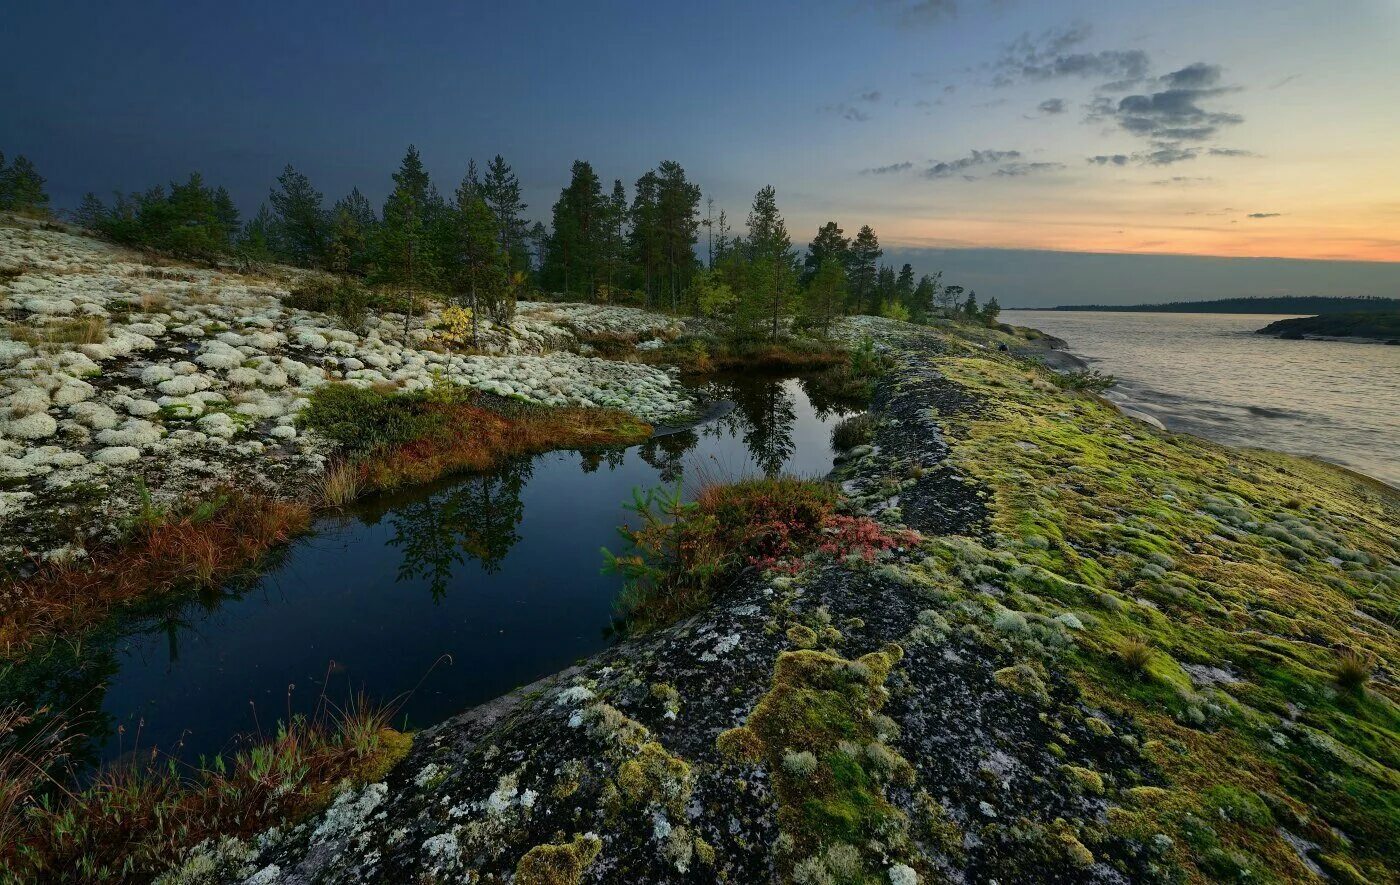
[(345, 298), (1087, 379), (854, 431)]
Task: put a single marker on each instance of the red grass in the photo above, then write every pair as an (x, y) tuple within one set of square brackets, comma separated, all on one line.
[(200, 547), (479, 438)]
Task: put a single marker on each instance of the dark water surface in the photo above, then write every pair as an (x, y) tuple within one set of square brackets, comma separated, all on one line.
[(1210, 375), (456, 593)]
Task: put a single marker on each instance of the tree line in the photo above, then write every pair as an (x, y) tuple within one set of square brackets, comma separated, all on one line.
[(477, 247)]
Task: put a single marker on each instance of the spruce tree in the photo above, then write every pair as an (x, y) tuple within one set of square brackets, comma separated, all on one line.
[(770, 254), (404, 259), (300, 232), (501, 190), (571, 263)]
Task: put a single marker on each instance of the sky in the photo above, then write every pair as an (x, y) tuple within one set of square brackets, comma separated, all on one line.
[(1042, 152)]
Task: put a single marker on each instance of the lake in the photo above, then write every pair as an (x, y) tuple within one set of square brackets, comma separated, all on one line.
[(1210, 375), (439, 598)]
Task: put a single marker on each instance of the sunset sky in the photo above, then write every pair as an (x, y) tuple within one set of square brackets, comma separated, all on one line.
[(1258, 128)]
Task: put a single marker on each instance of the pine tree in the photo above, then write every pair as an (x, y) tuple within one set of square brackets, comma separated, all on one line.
[(969, 307), (863, 270), (771, 257), (479, 263), (925, 297), (885, 290), (352, 229), (990, 311), (613, 260), (300, 232), (678, 208), (948, 299), (828, 244)]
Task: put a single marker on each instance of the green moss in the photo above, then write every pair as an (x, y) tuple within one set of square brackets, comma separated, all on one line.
[(558, 864), (1085, 780), (1253, 562), (817, 731), (802, 636), (1024, 679), (655, 776)]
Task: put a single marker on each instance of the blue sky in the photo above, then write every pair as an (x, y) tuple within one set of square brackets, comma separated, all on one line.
[(1242, 129)]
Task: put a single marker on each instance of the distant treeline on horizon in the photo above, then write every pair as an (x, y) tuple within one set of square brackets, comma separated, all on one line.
[(1300, 304)]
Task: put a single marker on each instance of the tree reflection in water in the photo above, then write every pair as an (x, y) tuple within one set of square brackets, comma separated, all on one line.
[(474, 519)]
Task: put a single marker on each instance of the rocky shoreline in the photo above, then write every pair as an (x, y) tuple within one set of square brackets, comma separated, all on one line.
[(1000, 761), (1108, 654)]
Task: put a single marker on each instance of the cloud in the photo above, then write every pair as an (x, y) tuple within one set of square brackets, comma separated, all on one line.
[(1194, 76), (1003, 164), (1264, 215), (851, 110), (1162, 154), (946, 168), (1174, 114), (914, 14), (1052, 106), (1231, 152), (847, 112), (1183, 181), (1047, 57), (1016, 170), (888, 170), (1174, 119)]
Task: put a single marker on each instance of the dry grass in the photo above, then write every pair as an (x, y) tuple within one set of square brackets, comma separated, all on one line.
[(203, 545), (1135, 655), (85, 330), (135, 820), (1353, 670), (340, 485)]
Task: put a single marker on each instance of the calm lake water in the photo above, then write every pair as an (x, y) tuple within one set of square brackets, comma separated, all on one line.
[(1208, 374), (456, 593)]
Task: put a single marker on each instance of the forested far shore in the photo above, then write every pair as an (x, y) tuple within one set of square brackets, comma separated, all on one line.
[(478, 250), (1299, 304)]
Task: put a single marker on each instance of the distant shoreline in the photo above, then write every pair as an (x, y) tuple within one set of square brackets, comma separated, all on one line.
[(1294, 305)]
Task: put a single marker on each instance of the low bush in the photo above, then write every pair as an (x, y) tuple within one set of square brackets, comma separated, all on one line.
[(1088, 380), (854, 431), (347, 299), (681, 553)]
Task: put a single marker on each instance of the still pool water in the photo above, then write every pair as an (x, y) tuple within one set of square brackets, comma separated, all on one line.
[(443, 598)]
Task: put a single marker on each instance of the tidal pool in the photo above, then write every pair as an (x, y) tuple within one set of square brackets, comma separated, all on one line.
[(442, 597)]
